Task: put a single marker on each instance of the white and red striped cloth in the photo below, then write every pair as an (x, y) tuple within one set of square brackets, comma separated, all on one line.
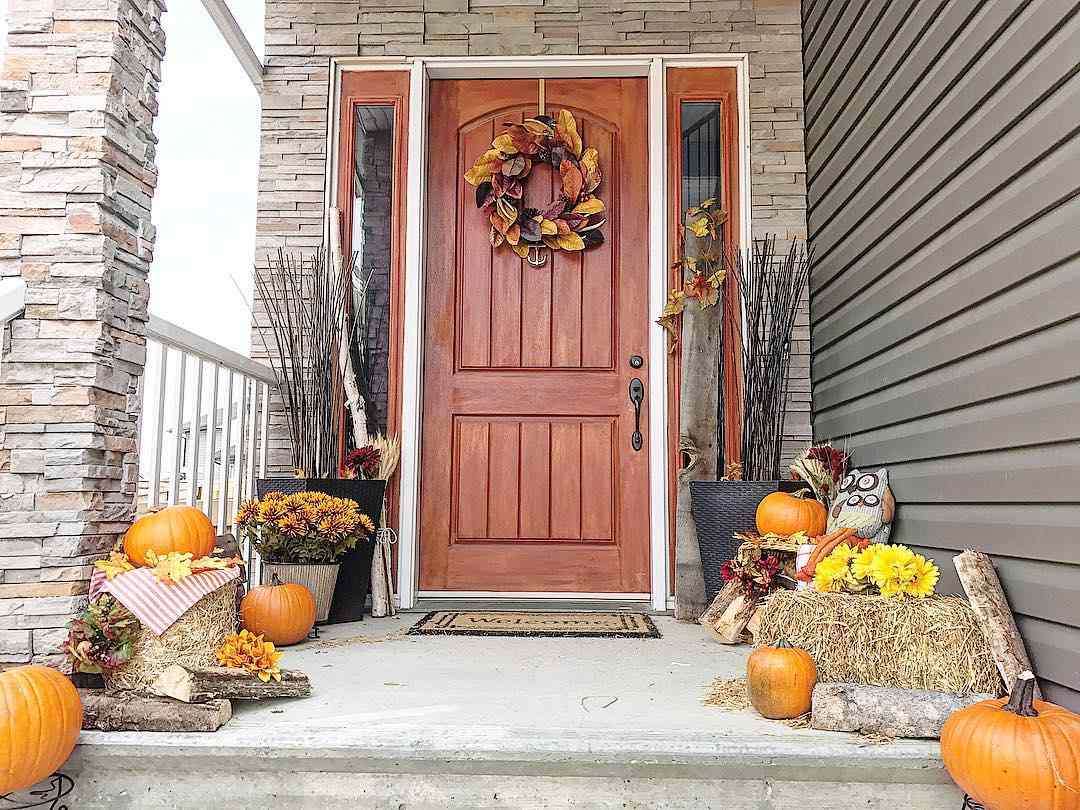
[(158, 605)]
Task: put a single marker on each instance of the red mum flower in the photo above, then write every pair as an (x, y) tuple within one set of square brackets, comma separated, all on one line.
[(364, 461)]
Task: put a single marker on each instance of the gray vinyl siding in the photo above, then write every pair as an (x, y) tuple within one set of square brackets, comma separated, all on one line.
[(943, 172)]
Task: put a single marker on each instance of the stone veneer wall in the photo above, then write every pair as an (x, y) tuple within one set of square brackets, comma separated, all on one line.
[(301, 36), (78, 94)]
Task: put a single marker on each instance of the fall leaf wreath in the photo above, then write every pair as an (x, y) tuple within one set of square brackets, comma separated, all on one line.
[(572, 220)]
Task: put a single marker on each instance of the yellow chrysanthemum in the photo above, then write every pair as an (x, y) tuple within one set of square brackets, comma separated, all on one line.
[(830, 573), (864, 560), (891, 564), (245, 650), (925, 579)]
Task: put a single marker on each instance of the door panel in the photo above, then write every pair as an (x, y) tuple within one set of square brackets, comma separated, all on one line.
[(528, 478)]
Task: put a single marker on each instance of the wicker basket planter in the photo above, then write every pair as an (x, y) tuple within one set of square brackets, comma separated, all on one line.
[(191, 641), (720, 509), (319, 579)]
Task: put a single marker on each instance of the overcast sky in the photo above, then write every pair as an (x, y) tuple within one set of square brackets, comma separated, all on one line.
[(207, 158)]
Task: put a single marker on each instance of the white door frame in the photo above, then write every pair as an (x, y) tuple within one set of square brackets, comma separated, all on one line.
[(421, 71)]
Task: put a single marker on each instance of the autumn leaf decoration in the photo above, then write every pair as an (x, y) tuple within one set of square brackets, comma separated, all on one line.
[(572, 220), (168, 568), (701, 274)]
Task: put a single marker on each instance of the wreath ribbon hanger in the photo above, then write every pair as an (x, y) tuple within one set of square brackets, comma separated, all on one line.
[(572, 220)]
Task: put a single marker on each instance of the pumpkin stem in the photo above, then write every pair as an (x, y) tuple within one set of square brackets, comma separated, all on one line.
[(1022, 698), (274, 580), (783, 644)]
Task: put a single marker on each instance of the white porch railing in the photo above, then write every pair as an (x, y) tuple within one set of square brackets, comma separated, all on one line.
[(203, 426)]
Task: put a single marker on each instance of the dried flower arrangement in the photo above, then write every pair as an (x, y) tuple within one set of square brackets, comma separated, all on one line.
[(822, 467), (891, 571), (251, 653), (756, 576), (303, 527), (102, 637)]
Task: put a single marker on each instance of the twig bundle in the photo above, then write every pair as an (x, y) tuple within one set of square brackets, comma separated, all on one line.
[(769, 290), (933, 643), (308, 304)]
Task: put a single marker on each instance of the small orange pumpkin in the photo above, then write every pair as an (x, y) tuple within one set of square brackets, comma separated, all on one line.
[(785, 513), (1017, 753), (780, 680), (283, 613), (40, 714), (175, 528)]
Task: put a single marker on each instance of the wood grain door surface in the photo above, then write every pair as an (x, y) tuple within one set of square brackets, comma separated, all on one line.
[(529, 482)]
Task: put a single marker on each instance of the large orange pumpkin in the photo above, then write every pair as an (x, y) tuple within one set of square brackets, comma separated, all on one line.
[(1017, 753), (174, 528), (281, 613), (784, 513), (40, 718), (780, 680)]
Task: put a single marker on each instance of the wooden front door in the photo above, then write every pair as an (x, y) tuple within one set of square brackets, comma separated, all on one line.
[(529, 481)]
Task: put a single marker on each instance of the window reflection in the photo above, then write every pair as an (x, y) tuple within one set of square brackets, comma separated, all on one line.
[(372, 242), (702, 152)]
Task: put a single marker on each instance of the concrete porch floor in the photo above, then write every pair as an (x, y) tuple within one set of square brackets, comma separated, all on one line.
[(426, 722)]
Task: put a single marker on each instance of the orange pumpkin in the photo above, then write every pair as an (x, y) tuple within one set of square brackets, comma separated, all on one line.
[(1017, 753), (40, 714), (784, 513), (175, 528), (780, 680), (281, 613)]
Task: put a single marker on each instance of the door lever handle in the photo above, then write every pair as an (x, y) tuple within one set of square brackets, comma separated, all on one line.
[(637, 396)]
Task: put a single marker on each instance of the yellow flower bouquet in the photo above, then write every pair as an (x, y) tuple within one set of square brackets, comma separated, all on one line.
[(889, 570)]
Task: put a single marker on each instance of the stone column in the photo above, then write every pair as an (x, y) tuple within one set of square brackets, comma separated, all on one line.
[(78, 92)]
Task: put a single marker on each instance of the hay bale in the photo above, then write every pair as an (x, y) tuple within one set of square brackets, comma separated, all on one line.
[(190, 642), (932, 643)]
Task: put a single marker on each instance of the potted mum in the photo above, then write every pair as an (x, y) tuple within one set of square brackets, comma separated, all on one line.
[(302, 538)]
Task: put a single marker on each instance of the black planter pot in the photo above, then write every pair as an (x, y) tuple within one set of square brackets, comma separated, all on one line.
[(720, 509), (354, 578)]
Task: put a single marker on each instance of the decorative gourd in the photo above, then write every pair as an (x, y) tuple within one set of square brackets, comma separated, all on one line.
[(784, 513), (1015, 754), (174, 528), (281, 613), (40, 715), (780, 680)]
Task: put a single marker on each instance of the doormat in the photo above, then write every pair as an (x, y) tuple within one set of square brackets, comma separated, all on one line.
[(525, 623)]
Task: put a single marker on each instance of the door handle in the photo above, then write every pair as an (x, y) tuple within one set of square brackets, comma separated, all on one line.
[(637, 396)]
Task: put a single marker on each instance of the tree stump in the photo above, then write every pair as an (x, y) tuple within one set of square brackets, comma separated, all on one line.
[(205, 685), (132, 711), (884, 710)]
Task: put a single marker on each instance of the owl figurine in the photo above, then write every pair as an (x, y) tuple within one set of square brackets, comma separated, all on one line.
[(865, 503)]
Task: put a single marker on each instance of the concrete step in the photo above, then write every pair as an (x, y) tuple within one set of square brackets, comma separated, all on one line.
[(406, 768)]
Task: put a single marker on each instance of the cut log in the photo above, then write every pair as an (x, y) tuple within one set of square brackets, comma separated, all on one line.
[(131, 711), (204, 685), (729, 627), (984, 591), (719, 604), (884, 710), (698, 395), (754, 624)]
